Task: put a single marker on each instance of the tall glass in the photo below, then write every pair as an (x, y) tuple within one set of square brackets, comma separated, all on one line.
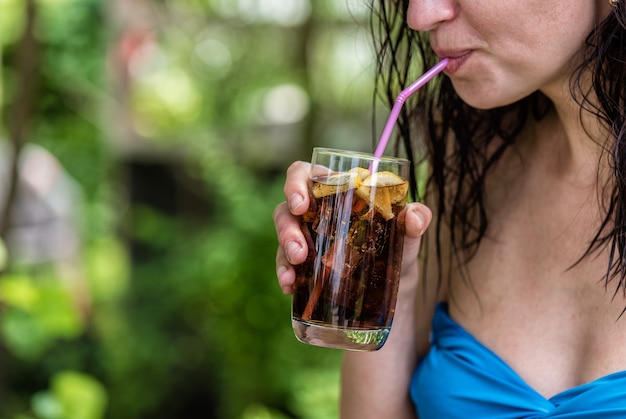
[(345, 292)]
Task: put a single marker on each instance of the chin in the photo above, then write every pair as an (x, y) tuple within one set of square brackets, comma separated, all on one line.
[(486, 102), (484, 97)]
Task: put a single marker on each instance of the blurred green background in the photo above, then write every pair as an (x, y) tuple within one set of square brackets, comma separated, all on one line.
[(143, 145)]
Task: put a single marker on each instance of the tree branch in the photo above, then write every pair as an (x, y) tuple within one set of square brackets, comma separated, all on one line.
[(20, 114)]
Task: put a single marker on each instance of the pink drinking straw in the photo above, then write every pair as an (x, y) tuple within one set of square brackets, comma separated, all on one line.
[(402, 97)]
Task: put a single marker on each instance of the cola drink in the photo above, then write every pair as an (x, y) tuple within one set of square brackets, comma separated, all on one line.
[(345, 292)]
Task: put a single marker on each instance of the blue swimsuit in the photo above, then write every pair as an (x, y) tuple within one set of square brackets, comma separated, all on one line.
[(461, 378)]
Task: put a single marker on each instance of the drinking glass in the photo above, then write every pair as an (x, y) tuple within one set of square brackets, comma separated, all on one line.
[(345, 292)]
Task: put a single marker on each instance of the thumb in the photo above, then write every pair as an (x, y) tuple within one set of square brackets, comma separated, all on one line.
[(417, 218)]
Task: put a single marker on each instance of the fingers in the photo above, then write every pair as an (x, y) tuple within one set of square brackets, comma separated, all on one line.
[(292, 248), (285, 272), (292, 244), (296, 187), (290, 237)]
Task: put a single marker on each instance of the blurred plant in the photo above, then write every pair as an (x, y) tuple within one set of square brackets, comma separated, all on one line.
[(183, 316), (71, 395), (37, 313), (204, 318)]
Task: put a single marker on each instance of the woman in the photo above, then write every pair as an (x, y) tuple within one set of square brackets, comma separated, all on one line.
[(523, 276)]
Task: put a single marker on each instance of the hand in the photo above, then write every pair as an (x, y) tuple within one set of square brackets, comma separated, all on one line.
[(292, 248)]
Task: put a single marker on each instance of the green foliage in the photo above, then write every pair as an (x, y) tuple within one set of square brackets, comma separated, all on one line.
[(208, 308), (173, 315), (72, 395), (37, 313)]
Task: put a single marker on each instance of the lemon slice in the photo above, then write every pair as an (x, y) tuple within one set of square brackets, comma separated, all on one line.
[(389, 189), (383, 179), (361, 171), (336, 183), (397, 186)]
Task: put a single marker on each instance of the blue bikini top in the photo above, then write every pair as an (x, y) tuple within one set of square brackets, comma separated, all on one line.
[(461, 378)]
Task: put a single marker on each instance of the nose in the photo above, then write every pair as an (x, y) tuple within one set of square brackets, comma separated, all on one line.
[(426, 15)]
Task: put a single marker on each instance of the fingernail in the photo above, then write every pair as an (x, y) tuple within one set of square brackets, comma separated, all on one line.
[(295, 201), (293, 248), (420, 219), (281, 270)]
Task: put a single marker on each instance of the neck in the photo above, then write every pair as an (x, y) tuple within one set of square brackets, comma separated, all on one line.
[(569, 139)]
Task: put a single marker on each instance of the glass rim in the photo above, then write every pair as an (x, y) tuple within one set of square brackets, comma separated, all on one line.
[(360, 154)]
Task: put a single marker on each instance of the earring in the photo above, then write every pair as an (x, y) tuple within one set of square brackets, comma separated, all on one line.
[(614, 3)]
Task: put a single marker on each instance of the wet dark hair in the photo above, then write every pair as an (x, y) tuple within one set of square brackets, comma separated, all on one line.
[(461, 143)]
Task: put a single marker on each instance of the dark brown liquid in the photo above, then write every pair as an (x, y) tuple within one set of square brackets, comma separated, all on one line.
[(350, 278)]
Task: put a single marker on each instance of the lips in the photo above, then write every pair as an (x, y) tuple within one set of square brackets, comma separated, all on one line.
[(456, 59)]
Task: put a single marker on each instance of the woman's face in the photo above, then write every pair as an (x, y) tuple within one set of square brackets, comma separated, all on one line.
[(502, 51)]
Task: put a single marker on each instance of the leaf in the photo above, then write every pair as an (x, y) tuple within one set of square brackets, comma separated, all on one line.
[(80, 395), (18, 291)]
